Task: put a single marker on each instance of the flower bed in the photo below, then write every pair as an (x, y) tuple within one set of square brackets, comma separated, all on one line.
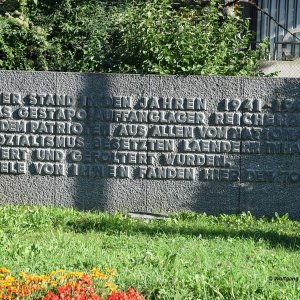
[(62, 285)]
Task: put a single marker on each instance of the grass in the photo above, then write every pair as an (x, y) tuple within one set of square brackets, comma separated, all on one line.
[(188, 256)]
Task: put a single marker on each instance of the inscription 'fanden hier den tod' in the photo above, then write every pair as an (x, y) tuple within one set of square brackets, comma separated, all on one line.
[(145, 138)]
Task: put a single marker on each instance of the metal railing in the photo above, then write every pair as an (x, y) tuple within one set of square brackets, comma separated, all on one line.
[(283, 46)]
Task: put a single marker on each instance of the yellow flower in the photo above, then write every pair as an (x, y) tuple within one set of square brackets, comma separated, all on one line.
[(23, 274), (113, 287), (96, 273), (4, 270), (26, 285), (53, 283), (112, 272), (78, 274), (60, 277), (10, 278)]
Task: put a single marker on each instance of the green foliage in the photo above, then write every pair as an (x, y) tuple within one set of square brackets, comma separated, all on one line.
[(282, 219), (77, 44), (141, 36), (154, 38), (22, 45), (68, 39)]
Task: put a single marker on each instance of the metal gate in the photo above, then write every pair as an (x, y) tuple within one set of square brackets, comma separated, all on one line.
[(283, 46)]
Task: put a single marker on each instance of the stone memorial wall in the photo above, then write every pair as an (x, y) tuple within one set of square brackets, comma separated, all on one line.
[(150, 143)]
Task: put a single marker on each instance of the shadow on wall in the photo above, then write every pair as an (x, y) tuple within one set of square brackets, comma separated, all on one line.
[(104, 182), (275, 190), (269, 179), (91, 187), (277, 187)]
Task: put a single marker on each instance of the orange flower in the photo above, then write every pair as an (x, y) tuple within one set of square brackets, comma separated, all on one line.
[(70, 286)]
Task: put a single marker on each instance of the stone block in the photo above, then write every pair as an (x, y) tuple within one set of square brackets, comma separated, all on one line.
[(149, 143)]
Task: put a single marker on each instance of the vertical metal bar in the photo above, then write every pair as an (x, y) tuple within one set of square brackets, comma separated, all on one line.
[(266, 24), (264, 32), (286, 21), (265, 20), (269, 30), (295, 14), (294, 24), (297, 24), (259, 23), (272, 27), (290, 23), (298, 14), (277, 27), (281, 18)]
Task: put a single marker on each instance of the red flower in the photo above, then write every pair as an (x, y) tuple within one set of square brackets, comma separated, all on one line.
[(83, 289), (130, 295), (51, 296)]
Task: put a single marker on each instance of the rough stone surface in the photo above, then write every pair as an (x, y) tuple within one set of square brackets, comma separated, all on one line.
[(150, 144), (273, 184)]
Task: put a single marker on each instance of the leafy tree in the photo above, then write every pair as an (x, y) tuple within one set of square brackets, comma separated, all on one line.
[(60, 36), (138, 36), (155, 38)]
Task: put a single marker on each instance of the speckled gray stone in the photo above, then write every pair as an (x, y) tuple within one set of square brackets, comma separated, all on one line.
[(208, 180), (17, 189), (199, 195), (263, 196)]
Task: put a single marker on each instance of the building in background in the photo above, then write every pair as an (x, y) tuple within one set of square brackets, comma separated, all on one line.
[(279, 21)]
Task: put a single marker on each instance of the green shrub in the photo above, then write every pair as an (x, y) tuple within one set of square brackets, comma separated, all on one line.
[(141, 36), (78, 36), (62, 36), (23, 46), (154, 38)]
